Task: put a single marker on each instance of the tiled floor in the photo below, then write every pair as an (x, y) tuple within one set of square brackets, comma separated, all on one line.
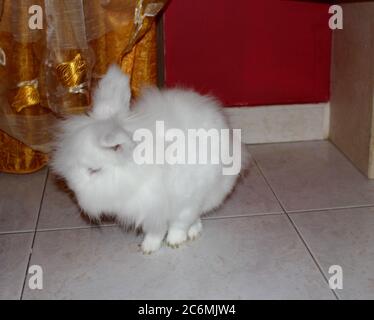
[(302, 209)]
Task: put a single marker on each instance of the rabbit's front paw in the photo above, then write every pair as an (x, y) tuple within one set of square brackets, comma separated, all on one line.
[(175, 238), (195, 230), (151, 244)]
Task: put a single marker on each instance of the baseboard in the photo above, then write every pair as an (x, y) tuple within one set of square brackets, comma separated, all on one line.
[(281, 123)]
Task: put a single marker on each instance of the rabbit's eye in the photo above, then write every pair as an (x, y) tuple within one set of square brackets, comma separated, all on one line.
[(93, 171), (116, 147)]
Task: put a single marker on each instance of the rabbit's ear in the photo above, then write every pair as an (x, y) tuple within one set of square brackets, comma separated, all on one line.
[(112, 94), (116, 137)]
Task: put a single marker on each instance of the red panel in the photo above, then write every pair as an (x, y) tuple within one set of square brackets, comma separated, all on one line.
[(249, 52)]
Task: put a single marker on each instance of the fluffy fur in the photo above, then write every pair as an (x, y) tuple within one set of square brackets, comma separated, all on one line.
[(94, 155)]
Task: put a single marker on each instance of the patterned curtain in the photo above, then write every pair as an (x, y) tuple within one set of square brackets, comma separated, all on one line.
[(50, 72)]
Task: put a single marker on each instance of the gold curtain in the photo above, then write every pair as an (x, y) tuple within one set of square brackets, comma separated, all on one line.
[(50, 72)]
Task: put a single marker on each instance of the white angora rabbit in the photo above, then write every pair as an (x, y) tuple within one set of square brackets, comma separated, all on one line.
[(141, 164)]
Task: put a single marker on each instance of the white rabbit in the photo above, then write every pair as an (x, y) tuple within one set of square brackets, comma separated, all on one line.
[(95, 155)]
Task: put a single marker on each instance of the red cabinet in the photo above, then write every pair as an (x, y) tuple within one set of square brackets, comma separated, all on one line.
[(249, 52)]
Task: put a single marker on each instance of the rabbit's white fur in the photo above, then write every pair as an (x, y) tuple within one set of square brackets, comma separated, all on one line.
[(94, 155)]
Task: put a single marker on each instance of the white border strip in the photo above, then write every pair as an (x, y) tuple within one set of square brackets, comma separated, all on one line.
[(281, 123)]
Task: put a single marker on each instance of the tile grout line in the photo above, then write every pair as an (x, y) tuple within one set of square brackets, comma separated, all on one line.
[(296, 230), (7, 233), (207, 218), (360, 206), (35, 231), (118, 225), (311, 254)]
